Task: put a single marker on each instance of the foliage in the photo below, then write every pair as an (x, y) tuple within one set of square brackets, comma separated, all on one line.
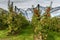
[(45, 23), (16, 23), (41, 25), (3, 22), (13, 22)]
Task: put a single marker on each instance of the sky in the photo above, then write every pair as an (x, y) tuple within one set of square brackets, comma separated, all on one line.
[(24, 4), (28, 3)]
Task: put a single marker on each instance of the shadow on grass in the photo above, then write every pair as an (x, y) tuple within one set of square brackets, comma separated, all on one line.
[(50, 37), (26, 31), (53, 35)]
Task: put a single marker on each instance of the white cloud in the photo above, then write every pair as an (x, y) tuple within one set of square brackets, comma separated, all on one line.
[(29, 3)]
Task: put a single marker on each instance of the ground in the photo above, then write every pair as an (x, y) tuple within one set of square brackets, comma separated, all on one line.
[(27, 34)]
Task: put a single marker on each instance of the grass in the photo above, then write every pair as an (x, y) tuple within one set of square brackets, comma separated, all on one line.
[(53, 35), (26, 34)]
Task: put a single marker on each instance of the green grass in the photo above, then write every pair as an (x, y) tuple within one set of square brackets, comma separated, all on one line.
[(23, 36), (53, 35), (26, 34)]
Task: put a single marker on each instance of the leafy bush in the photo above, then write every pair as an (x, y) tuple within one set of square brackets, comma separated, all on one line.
[(3, 22), (16, 23), (45, 23)]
